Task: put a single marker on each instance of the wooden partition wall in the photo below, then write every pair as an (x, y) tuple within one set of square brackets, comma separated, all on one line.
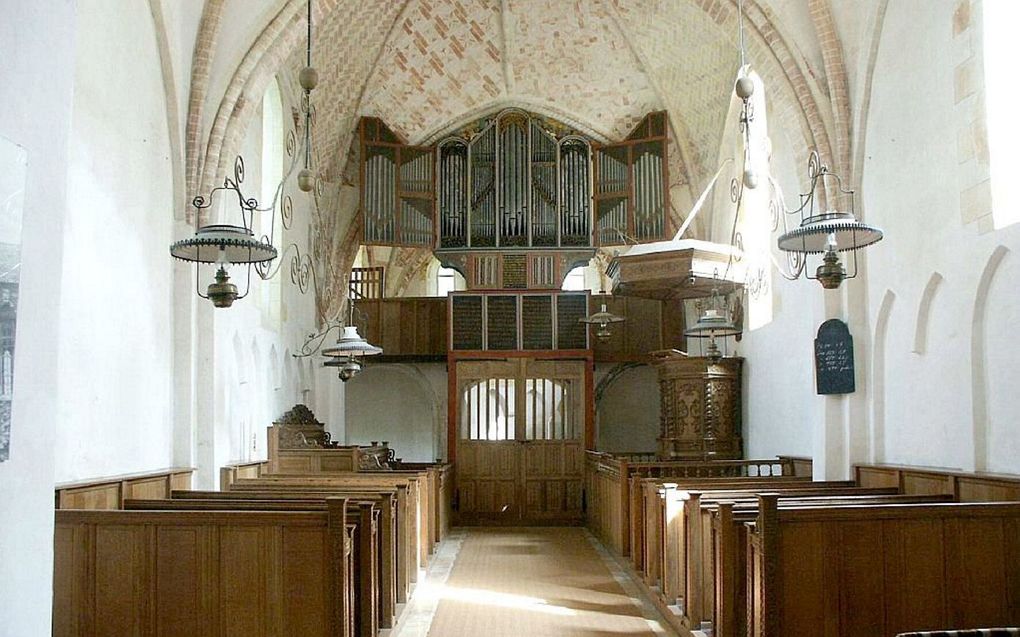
[(966, 487), (110, 492)]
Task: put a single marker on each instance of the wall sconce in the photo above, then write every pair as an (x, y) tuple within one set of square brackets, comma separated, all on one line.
[(829, 232)]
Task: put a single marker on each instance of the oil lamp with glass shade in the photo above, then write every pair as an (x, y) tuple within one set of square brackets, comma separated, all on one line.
[(716, 320), (602, 320), (349, 351), (830, 232)]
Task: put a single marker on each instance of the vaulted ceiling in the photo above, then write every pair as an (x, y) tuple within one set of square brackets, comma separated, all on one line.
[(427, 66)]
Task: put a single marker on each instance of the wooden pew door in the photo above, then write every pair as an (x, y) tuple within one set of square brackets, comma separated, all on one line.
[(520, 434)]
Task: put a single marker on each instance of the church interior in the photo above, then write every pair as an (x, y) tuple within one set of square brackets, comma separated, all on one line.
[(408, 318)]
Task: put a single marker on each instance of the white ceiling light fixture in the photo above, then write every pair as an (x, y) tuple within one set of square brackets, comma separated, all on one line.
[(349, 351)]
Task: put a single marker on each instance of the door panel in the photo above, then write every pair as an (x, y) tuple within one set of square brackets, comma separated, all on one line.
[(520, 441)]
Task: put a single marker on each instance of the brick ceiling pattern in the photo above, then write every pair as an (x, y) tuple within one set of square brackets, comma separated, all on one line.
[(425, 66), (447, 59)]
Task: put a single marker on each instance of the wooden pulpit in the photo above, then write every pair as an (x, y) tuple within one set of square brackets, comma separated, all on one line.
[(701, 407)]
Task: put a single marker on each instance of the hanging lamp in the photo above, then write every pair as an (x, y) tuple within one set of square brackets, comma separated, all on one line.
[(715, 321), (602, 320), (349, 351), (828, 232), (225, 244)]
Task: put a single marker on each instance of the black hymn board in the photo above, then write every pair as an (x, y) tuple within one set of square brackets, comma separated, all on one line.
[(834, 359)]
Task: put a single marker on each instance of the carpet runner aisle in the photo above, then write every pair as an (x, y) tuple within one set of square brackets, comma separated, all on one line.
[(533, 582)]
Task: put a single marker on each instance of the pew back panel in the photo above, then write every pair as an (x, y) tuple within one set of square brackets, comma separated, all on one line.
[(882, 570), (200, 573), (967, 487)]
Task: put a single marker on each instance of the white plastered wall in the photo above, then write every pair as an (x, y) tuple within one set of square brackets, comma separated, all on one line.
[(403, 404), (115, 411), (37, 45), (948, 371), (627, 411)]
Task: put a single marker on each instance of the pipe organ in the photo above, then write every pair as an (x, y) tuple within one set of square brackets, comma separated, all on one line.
[(397, 189), (506, 188)]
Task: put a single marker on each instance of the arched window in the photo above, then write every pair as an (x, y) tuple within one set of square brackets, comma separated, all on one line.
[(574, 281), (1000, 16), (272, 166)]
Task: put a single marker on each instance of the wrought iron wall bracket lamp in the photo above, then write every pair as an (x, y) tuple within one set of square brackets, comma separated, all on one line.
[(830, 232), (349, 351), (225, 244)]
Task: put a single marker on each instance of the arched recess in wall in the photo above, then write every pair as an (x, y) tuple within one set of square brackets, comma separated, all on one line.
[(275, 372), (236, 416), (978, 359), (396, 403), (288, 376), (627, 409), (878, 364), (924, 313)]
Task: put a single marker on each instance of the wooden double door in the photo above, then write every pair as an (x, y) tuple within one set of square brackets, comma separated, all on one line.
[(519, 443)]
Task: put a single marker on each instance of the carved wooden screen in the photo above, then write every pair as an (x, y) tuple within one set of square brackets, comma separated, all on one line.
[(397, 189), (514, 321), (631, 186), (514, 180)]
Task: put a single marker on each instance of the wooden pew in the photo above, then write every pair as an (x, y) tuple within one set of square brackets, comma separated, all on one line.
[(202, 572), (687, 570), (649, 516), (608, 496), (412, 490), (881, 569), (374, 569), (677, 549), (724, 598), (397, 524)]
